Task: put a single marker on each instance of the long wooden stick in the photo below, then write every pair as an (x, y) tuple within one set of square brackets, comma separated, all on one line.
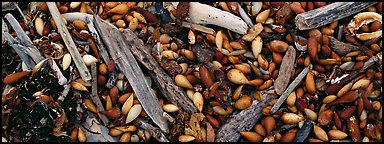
[(163, 81), (62, 29), (285, 70), (290, 88), (95, 98), (328, 14), (119, 50)]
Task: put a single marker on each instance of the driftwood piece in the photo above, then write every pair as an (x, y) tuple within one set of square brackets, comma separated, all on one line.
[(155, 132), (198, 28), (61, 79), (62, 29), (120, 52), (243, 121), (163, 81), (245, 16), (290, 88), (95, 132), (328, 14), (341, 48), (204, 14), (304, 132), (95, 98), (285, 70)]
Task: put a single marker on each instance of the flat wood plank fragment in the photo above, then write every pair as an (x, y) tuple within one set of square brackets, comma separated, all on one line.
[(328, 14), (62, 29), (243, 121), (290, 88), (341, 48), (285, 70)]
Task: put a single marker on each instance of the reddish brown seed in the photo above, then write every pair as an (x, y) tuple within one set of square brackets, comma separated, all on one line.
[(114, 93), (101, 80), (348, 97), (111, 65), (270, 124), (297, 8), (278, 46), (205, 76), (213, 121), (312, 47), (337, 120), (289, 136), (325, 117), (12, 78), (358, 65), (63, 9), (319, 4), (277, 58), (347, 112), (112, 113), (93, 47), (353, 129)]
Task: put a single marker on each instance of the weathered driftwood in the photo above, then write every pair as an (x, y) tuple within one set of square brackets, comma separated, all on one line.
[(304, 132), (95, 98), (284, 128), (243, 121), (375, 59), (25, 45), (62, 29), (155, 132), (204, 14), (162, 80), (245, 16), (120, 52), (341, 48), (290, 88), (61, 79), (285, 70), (95, 132), (328, 14)]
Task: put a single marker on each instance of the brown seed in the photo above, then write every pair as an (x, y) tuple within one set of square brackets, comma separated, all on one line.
[(79, 24), (182, 81), (81, 136), (345, 89), (244, 102), (278, 46), (325, 117), (251, 136), (310, 83), (237, 92), (266, 84), (126, 137), (329, 98), (361, 84), (213, 121), (210, 133), (291, 99), (310, 114), (90, 106), (63, 9), (114, 93), (262, 16), (353, 129), (326, 30), (78, 86), (312, 47), (237, 77), (133, 24), (289, 136), (103, 68), (376, 105), (291, 118), (186, 138), (74, 134), (270, 124), (337, 135), (120, 24), (198, 100), (260, 130), (121, 9), (320, 133), (12, 78), (112, 113), (115, 132)]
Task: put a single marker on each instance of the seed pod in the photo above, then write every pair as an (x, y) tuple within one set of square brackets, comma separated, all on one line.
[(270, 124), (251, 136), (90, 106), (312, 47), (337, 135), (361, 84), (291, 99), (127, 104), (81, 136), (126, 137), (348, 97), (320, 133), (213, 121), (237, 77), (266, 84), (78, 86), (182, 81), (291, 118), (353, 127), (260, 130), (66, 61), (79, 25), (289, 136), (325, 117), (310, 83), (74, 134), (121, 9), (257, 46), (219, 40), (205, 76), (112, 113), (278, 46), (170, 55), (244, 102), (296, 8), (344, 90), (133, 24), (115, 132), (39, 25), (311, 114), (89, 59), (139, 17), (221, 111), (329, 98), (170, 108), (198, 100), (133, 113), (186, 138), (262, 16)]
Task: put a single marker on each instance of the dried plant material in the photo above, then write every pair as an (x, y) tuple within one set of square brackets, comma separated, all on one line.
[(365, 18), (285, 70), (182, 11), (253, 32), (196, 127)]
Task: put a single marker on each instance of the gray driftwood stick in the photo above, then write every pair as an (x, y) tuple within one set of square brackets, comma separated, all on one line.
[(96, 37), (163, 81), (62, 29), (328, 14), (290, 88), (121, 54), (285, 71), (155, 132), (95, 98), (341, 48), (304, 132), (243, 121)]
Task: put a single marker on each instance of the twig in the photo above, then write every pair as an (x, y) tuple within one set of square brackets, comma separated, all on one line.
[(243, 121), (304, 132), (95, 98), (121, 54), (198, 28), (290, 88), (62, 29), (328, 14), (163, 81), (341, 48), (155, 132), (285, 70), (245, 16)]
